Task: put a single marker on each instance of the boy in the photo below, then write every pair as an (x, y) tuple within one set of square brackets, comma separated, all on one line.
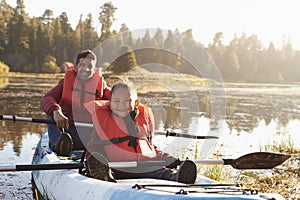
[(123, 127)]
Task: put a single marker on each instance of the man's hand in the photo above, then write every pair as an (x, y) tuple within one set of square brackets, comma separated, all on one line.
[(61, 120), (171, 162)]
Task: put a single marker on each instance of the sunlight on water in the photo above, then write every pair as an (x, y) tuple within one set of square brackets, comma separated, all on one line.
[(231, 143), (29, 143), (260, 139), (17, 183), (294, 127)]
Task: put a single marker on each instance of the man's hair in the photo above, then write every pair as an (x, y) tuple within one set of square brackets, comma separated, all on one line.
[(85, 54)]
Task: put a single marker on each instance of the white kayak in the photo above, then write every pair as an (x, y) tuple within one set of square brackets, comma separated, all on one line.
[(67, 184)]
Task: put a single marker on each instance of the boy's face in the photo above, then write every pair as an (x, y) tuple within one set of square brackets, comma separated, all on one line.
[(121, 102), (85, 68)]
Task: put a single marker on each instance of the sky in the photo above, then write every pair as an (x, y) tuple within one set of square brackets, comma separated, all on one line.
[(272, 21)]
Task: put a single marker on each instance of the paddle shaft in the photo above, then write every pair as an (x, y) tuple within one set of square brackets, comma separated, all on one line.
[(59, 166), (130, 164), (35, 120), (215, 162), (40, 167), (79, 124), (174, 134)]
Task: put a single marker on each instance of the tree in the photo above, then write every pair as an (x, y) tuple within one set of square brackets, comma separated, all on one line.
[(269, 68), (158, 38), (78, 34), (288, 67), (59, 42), (89, 36), (230, 64), (106, 18), (173, 44), (45, 36), (47, 16), (216, 50), (3, 28), (34, 50), (126, 35), (18, 40), (70, 45)]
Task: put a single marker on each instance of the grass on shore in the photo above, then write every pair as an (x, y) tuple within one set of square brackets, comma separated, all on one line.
[(283, 179)]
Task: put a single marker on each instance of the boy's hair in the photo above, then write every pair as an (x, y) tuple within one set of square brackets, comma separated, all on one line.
[(86, 54), (123, 85)]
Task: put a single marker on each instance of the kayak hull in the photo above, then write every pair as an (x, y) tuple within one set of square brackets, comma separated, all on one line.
[(69, 184)]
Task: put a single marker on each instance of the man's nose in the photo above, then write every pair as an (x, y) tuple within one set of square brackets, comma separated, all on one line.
[(87, 69)]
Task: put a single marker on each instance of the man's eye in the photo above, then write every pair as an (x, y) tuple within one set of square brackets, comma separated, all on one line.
[(82, 65)]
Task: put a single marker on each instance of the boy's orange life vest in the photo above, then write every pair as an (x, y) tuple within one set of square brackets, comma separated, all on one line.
[(76, 92), (114, 136)]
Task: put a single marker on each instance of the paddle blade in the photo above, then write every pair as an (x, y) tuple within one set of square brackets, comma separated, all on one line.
[(259, 160)]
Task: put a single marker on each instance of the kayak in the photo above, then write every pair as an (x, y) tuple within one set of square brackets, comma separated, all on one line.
[(70, 184)]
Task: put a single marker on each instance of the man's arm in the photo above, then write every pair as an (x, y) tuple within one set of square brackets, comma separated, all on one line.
[(50, 101), (106, 91)]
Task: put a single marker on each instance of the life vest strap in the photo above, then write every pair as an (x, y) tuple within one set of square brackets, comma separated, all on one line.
[(87, 92), (118, 140)]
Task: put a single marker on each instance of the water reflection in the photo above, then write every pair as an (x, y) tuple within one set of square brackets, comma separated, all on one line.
[(21, 97), (246, 108)]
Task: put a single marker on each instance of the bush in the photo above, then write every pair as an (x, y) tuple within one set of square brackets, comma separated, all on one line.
[(49, 65), (4, 69), (125, 62)]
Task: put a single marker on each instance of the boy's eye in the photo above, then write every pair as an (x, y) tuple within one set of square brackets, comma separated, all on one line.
[(123, 102)]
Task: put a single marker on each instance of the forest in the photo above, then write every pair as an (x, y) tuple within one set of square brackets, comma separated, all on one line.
[(44, 44)]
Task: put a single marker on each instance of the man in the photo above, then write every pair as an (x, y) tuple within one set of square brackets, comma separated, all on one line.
[(123, 126), (64, 104)]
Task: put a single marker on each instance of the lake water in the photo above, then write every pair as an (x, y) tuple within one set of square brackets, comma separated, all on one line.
[(245, 117)]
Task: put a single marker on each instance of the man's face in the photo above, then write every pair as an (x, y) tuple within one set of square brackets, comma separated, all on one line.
[(121, 102), (85, 68)]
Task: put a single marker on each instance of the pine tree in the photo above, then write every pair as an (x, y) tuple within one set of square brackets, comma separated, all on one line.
[(106, 18), (18, 40)]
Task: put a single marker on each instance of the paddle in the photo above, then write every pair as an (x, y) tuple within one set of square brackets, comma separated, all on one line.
[(257, 160), (174, 134), (167, 133), (57, 166)]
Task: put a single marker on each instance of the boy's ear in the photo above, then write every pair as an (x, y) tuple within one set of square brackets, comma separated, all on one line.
[(137, 102)]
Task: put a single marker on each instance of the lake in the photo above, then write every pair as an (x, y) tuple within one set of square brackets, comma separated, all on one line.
[(245, 117)]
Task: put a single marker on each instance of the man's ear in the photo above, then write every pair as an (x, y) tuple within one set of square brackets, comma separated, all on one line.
[(136, 103)]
